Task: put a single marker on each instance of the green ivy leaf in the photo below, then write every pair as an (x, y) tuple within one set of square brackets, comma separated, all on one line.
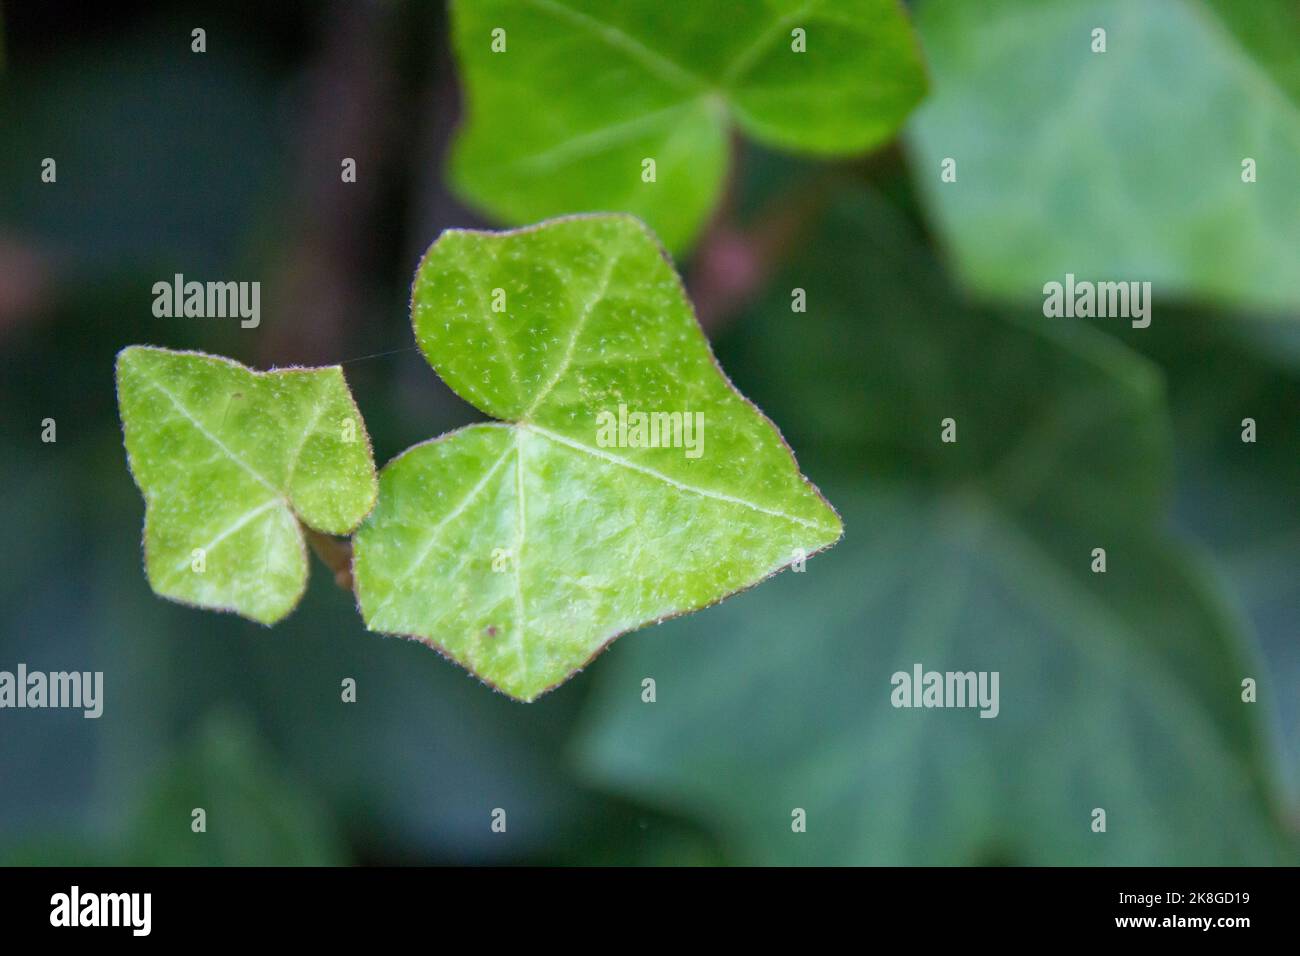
[(229, 461), (522, 548), (585, 90), (1123, 165), (1119, 690)]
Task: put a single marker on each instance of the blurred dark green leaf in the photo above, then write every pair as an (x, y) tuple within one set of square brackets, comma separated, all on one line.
[(255, 815), (1118, 690), (1239, 498)]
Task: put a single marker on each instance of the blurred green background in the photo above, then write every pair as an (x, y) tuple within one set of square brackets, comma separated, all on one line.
[(1119, 691)]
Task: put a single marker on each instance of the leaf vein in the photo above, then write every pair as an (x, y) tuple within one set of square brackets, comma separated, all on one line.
[(667, 479), (432, 540), (567, 358), (234, 526), (654, 61), (202, 429), (518, 562)]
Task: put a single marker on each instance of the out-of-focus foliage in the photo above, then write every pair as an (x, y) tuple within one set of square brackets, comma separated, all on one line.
[(567, 98), (1119, 690), (1122, 165), (253, 813), (219, 802), (156, 166), (1239, 498)]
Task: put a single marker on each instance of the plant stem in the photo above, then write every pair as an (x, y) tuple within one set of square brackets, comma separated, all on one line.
[(336, 555)]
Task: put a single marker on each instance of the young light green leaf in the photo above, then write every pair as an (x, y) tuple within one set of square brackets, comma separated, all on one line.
[(522, 548), (568, 99), (229, 461), (1128, 164)]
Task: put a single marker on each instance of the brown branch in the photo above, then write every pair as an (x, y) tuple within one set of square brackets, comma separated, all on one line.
[(316, 290), (735, 260)]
